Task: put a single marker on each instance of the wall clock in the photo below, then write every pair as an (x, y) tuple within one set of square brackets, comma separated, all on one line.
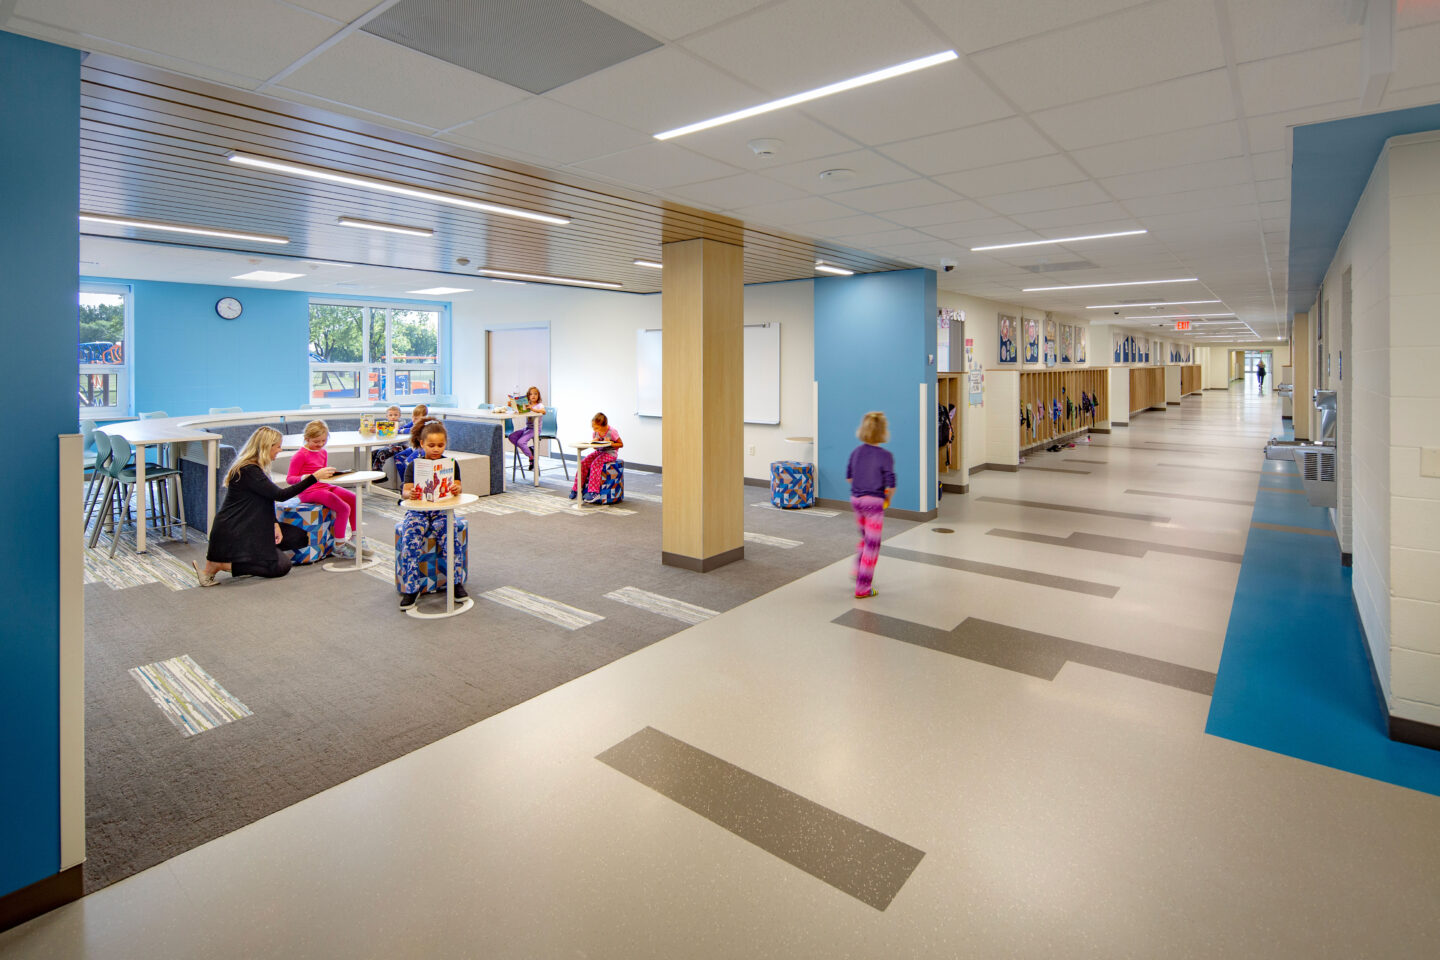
[(228, 307)]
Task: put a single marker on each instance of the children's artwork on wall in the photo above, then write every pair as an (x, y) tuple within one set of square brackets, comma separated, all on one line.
[(1144, 349), (1117, 345), (1052, 348), (1009, 333), (1081, 335), (1032, 341), (1067, 342), (1187, 353)]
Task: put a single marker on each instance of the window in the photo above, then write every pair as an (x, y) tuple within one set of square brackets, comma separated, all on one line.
[(371, 353), (103, 355)]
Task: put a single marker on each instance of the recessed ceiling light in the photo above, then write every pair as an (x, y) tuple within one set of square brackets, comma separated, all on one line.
[(267, 276), (542, 278), (1037, 243), (181, 228), (838, 271), (1155, 303), (649, 263), (838, 174), (385, 227), (1123, 283), (1178, 316), (385, 186), (441, 291), (899, 69)]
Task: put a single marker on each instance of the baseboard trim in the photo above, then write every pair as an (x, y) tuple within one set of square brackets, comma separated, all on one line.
[(1414, 732), (1119, 423), (701, 564), (1101, 429), (629, 464), (42, 896), (1347, 559), (1172, 403), (757, 482), (1283, 417), (1005, 467), (955, 487), (895, 512)]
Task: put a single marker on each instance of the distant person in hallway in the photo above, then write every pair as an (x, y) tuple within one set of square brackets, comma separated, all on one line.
[(524, 438), (245, 538), (871, 473), (588, 474), (1260, 374)]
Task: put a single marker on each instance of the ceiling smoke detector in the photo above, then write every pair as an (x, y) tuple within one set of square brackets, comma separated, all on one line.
[(765, 147), (462, 260), (839, 173)]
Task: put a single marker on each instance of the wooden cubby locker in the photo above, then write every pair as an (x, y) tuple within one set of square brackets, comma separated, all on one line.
[(950, 390), (1040, 390), (1189, 379), (1147, 389)]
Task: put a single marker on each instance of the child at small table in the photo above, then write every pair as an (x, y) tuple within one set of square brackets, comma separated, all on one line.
[(311, 457), (871, 473), (379, 455), (588, 473), (421, 525), (524, 438)]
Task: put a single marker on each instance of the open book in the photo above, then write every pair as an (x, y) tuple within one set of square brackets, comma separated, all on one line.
[(435, 479)]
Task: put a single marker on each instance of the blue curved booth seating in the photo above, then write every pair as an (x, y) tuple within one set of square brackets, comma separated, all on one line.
[(467, 435)]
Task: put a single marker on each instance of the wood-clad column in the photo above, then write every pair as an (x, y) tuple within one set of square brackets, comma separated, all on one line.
[(702, 398)]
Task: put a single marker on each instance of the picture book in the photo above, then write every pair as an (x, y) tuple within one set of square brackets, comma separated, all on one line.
[(385, 428), (367, 424), (435, 479)]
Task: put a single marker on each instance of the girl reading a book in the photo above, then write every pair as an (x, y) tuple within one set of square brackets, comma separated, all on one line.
[(588, 474), (310, 458), (422, 525), (524, 438), (245, 539)]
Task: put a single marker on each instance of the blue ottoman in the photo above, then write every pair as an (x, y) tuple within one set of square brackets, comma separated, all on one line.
[(316, 520), (792, 484), (612, 483), (424, 572)]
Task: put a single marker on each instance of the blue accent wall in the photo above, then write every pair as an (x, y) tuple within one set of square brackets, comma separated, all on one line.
[(39, 247), (874, 335)]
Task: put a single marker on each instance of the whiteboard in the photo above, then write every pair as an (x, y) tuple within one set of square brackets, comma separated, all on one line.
[(762, 373)]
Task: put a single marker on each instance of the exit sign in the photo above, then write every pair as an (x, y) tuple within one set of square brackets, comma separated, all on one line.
[(1182, 324)]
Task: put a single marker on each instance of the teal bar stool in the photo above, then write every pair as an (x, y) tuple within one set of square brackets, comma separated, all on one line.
[(549, 428), (119, 485)]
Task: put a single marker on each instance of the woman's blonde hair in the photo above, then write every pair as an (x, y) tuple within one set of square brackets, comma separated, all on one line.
[(256, 451), (316, 428), (874, 428)]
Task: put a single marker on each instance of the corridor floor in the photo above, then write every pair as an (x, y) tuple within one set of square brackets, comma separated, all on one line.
[(1003, 754)]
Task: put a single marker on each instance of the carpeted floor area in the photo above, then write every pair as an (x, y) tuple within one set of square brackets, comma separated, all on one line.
[(338, 681)]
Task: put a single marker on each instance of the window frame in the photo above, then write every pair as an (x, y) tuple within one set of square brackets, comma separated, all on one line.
[(382, 310), (124, 387)]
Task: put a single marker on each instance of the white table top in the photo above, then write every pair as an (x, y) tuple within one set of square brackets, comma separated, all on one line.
[(355, 478), (342, 438), (462, 500), (592, 445), (155, 431)]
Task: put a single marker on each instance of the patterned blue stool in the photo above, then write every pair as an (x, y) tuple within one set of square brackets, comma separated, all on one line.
[(316, 520), (792, 484), (612, 483), (420, 571)]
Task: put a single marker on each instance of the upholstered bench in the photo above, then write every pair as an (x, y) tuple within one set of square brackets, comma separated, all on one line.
[(792, 484)]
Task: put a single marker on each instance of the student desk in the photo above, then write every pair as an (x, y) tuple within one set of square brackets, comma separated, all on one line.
[(360, 480), (448, 507), (536, 422)]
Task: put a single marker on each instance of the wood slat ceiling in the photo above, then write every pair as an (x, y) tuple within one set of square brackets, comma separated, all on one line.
[(153, 145)]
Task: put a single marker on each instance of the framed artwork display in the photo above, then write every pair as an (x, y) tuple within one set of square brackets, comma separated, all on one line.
[(1067, 343), (1009, 330), (1051, 346), (1032, 341), (1081, 335)]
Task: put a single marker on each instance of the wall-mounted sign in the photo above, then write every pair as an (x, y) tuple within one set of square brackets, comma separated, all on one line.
[(1182, 324)]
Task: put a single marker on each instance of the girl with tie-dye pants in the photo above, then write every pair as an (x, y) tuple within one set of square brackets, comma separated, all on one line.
[(871, 473)]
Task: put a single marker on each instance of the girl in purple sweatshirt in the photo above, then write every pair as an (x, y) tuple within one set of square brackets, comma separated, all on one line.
[(871, 473)]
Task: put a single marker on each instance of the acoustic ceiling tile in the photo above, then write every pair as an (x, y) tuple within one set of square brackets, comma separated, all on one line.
[(741, 190), (1095, 215), (993, 227), (551, 131), (1417, 57), (1272, 131), (1278, 27), (895, 196), (1213, 142), (657, 166), (941, 98), (1047, 198), (800, 139), (343, 10), (868, 167), (673, 19), (1305, 79), (933, 213), (844, 226), (977, 26), (1010, 177), (789, 212), (1194, 101), (1191, 176), (1000, 141)]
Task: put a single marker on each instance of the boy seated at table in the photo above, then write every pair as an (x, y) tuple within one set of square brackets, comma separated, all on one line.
[(378, 455), (420, 525)]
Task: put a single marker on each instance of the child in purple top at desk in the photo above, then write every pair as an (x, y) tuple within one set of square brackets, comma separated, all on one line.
[(871, 473)]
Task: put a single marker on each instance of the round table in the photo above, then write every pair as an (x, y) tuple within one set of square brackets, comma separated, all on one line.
[(580, 449), (360, 480), (353, 439), (447, 506)]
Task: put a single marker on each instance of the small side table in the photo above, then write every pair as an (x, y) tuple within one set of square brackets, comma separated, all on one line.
[(580, 449), (360, 480), (448, 506)]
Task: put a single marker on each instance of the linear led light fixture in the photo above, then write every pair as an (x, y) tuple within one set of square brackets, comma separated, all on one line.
[(441, 291), (542, 278), (385, 227), (649, 263), (1157, 303), (900, 69), (1178, 316), (1123, 283), (181, 228), (267, 276), (385, 186), (838, 271), (1039, 243)]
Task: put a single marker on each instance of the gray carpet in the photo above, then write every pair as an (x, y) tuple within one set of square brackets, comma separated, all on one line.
[(340, 681)]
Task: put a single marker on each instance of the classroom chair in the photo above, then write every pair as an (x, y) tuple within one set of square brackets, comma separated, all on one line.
[(548, 430), (316, 520), (120, 483)]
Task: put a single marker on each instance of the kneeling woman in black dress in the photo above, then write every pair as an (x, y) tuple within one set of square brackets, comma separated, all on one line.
[(245, 538)]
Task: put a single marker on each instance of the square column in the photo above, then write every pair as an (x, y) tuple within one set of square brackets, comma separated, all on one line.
[(702, 396)]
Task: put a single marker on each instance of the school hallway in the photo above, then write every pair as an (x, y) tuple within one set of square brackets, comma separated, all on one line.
[(1003, 754)]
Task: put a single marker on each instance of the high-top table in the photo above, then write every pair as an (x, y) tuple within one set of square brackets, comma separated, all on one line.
[(501, 415), (151, 433), (353, 439), (446, 506), (360, 480)]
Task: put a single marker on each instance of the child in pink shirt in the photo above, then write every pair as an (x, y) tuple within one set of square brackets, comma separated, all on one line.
[(312, 457)]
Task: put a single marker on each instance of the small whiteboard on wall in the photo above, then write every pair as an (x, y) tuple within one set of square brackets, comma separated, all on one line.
[(762, 373)]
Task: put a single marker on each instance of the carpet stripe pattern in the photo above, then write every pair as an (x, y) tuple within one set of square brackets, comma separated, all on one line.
[(808, 511), (188, 696), (769, 541), (560, 614), (130, 569), (664, 606)]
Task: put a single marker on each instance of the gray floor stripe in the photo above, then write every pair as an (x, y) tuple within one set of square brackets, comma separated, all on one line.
[(1070, 508), (1190, 496), (1005, 573), (769, 541), (1025, 651), (851, 857), (1197, 466), (1078, 460), (1123, 546), (560, 614), (807, 511), (1026, 466), (1284, 529), (664, 606)]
